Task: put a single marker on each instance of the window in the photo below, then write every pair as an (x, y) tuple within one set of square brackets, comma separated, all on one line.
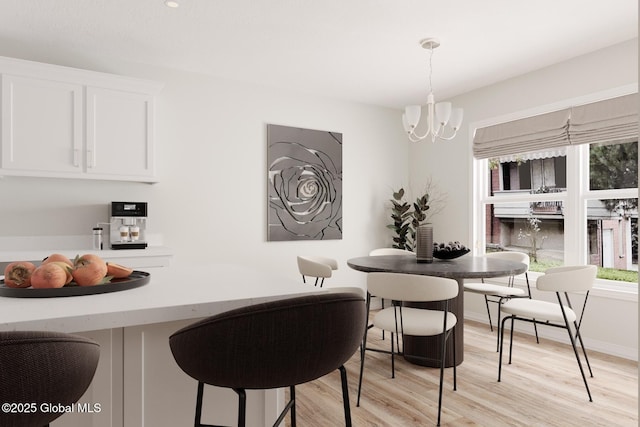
[(564, 204)]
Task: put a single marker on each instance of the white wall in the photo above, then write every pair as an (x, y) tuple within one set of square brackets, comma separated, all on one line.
[(210, 203), (597, 72)]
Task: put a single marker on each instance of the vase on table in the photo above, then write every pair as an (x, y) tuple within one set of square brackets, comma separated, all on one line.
[(424, 243)]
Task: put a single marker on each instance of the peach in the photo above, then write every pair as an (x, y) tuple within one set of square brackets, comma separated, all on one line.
[(49, 275), (57, 258), (18, 274), (118, 271), (89, 270)]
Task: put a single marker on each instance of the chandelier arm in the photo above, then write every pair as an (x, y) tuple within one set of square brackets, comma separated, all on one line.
[(414, 137), (449, 138), (420, 137)]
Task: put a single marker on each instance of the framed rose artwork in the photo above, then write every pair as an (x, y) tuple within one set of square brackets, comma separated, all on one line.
[(305, 184)]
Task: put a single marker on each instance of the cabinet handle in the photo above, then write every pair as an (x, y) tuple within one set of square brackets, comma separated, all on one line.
[(76, 156), (90, 159)]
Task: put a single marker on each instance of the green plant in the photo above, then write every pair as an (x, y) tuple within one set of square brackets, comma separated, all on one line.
[(400, 214), (408, 217), (418, 216)]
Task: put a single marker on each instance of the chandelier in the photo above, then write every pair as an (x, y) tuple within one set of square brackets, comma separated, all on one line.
[(443, 121)]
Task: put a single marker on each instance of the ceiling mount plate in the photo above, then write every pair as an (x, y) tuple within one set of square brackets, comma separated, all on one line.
[(430, 43)]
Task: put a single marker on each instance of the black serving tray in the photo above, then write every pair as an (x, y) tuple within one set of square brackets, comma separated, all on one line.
[(136, 279)]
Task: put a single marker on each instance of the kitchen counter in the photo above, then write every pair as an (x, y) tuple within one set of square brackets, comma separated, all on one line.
[(137, 375), (172, 294), (36, 248)]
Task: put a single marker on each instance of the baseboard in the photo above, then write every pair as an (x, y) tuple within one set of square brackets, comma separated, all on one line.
[(560, 335)]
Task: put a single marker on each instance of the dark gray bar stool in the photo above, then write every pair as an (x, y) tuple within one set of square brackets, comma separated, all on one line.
[(39, 369), (271, 345)]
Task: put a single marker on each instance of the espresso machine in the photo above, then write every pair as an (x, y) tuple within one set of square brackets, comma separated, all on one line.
[(128, 225)]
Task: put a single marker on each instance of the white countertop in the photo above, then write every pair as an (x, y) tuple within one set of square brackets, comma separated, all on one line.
[(36, 248), (107, 254), (172, 294)]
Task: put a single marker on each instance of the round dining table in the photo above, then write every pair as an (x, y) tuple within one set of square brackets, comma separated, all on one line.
[(426, 351)]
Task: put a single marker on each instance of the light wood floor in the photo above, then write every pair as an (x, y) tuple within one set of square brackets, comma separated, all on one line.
[(542, 387)]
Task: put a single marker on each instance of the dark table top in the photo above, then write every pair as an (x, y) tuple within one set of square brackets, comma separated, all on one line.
[(465, 267)]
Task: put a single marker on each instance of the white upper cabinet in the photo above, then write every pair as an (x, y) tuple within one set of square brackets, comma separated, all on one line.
[(41, 126), (119, 133), (69, 123)]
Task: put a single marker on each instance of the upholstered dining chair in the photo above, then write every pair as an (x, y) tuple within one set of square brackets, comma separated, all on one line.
[(389, 251), (39, 368), (398, 319), (276, 344), (561, 281), (497, 293), (318, 267)]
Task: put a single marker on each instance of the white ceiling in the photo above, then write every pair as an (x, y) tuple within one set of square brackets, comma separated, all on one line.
[(361, 50)]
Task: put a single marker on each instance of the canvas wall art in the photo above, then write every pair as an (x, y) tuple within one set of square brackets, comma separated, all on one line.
[(305, 184)]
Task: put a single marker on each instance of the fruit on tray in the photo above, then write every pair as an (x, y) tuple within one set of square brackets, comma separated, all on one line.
[(449, 247), (18, 274), (118, 271), (49, 275), (67, 269), (57, 271), (450, 250), (89, 270), (57, 258)]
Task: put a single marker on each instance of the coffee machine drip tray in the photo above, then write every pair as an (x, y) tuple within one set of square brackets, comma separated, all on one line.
[(131, 245)]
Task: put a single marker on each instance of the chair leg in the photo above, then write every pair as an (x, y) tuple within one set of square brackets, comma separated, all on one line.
[(363, 351), (584, 350), (242, 407), (442, 357), (455, 379), (198, 419), (501, 346), (345, 396), (535, 325), (498, 324), (382, 306), (486, 301), (513, 318), (393, 360), (292, 398), (575, 351)]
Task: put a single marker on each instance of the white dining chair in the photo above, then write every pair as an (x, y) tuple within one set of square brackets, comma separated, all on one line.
[(401, 320), (497, 293), (561, 281), (389, 251), (317, 267)]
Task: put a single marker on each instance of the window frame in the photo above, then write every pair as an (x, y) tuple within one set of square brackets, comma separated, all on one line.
[(574, 199)]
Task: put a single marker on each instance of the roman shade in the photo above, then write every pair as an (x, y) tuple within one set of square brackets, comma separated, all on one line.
[(534, 133), (610, 120)]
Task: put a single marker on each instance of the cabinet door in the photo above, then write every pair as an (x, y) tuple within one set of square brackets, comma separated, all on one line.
[(119, 133), (41, 126)]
